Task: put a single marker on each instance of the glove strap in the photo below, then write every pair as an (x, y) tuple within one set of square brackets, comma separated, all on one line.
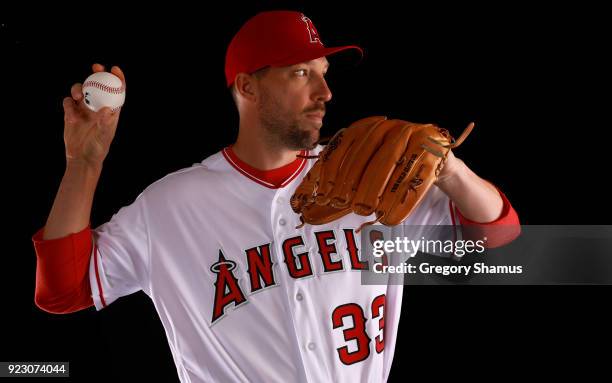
[(463, 136)]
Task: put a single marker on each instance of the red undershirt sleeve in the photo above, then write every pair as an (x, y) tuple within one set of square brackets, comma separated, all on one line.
[(500, 232), (62, 272)]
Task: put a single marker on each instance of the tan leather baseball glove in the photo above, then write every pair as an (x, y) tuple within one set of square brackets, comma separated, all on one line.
[(375, 166)]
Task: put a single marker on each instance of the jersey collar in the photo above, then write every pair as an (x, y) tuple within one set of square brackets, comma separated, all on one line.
[(274, 178)]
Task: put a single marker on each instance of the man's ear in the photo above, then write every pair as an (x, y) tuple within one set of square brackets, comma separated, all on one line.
[(245, 86)]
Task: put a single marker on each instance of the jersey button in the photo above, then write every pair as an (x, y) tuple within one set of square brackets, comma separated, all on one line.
[(299, 296), (282, 222), (311, 346)]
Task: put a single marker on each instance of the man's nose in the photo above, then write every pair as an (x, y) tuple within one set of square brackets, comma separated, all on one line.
[(322, 92)]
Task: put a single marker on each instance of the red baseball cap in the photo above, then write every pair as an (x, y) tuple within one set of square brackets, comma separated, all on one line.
[(275, 38)]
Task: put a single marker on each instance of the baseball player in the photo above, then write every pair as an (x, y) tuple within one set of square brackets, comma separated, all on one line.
[(243, 294)]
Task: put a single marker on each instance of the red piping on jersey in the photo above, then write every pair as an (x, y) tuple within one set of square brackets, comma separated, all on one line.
[(452, 211), (273, 179), (453, 219), (100, 292)]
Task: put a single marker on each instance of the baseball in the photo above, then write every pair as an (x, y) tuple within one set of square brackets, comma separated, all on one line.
[(103, 89)]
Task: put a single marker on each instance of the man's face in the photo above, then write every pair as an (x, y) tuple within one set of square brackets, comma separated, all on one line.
[(291, 103)]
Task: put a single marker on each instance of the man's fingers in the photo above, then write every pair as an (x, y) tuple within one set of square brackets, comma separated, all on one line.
[(119, 73), (76, 92), (97, 68), (68, 105), (106, 116)]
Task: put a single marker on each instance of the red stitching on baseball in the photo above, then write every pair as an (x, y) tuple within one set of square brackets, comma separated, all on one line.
[(104, 87)]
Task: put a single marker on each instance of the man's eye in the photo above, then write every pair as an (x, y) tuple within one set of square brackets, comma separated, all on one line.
[(301, 72)]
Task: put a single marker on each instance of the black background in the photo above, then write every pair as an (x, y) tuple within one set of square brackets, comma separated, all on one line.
[(534, 79)]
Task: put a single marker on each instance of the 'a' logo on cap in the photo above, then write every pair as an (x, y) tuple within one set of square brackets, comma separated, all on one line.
[(312, 31)]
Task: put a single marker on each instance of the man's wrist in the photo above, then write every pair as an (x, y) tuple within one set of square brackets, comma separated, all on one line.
[(453, 170), (83, 167)]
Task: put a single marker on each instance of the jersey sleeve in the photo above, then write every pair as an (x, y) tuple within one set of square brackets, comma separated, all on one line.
[(433, 211), (120, 258)]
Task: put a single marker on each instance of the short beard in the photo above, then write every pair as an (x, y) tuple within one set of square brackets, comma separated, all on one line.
[(283, 131)]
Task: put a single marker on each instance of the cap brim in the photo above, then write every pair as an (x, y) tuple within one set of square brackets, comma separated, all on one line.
[(313, 54)]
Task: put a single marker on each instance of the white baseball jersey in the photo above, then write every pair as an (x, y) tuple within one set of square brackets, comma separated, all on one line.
[(243, 295)]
